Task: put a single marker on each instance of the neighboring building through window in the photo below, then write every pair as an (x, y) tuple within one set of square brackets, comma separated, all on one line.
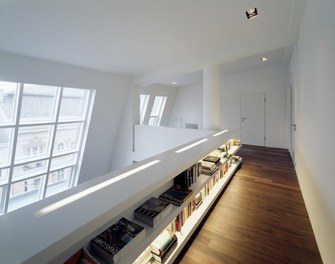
[(42, 131)]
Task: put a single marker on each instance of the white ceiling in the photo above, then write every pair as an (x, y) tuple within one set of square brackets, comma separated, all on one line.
[(151, 40)]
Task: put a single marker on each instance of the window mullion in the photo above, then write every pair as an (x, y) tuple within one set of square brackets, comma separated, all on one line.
[(14, 142), (58, 104), (76, 169)]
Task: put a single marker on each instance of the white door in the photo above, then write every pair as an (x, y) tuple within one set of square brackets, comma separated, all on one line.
[(253, 119), (293, 125)]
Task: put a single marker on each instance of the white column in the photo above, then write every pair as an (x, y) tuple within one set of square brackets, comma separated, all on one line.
[(211, 98)]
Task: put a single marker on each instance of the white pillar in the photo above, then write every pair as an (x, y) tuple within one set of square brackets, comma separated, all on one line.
[(211, 98)]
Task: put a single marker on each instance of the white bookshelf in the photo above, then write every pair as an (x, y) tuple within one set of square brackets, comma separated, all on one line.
[(194, 219), (29, 237), (197, 216)]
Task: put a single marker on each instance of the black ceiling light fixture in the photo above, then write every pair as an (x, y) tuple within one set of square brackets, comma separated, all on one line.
[(252, 13)]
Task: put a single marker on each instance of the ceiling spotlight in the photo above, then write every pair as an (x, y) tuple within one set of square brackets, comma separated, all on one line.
[(264, 59), (174, 82), (252, 13)]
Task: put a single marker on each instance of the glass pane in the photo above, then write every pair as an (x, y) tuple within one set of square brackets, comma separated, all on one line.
[(4, 176), (152, 120), (73, 104), (67, 137), (63, 161), (8, 93), (33, 142), (5, 145), (59, 181), (144, 99), (157, 110), (30, 169), (157, 105), (24, 192), (38, 103)]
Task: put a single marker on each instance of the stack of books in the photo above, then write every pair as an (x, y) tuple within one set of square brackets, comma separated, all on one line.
[(235, 158), (236, 142), (152, 211), (164, 244), (210, 165), (198, 200), (223, 148), (112, 244), (176, 196)]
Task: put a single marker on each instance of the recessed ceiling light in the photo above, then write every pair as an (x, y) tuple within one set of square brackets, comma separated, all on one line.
[(252, 13), (174, 82), (264, 59)]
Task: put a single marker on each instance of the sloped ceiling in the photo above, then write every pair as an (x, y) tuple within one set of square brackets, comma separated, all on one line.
[(149, 40)]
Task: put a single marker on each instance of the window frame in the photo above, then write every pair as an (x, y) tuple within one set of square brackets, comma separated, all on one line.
[(159, 105), (15, 125)]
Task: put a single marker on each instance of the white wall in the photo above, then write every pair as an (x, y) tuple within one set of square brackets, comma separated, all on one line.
[(154, 140), (273, 81), (313, 75), (111, 93), (188, 106), (124, 145)]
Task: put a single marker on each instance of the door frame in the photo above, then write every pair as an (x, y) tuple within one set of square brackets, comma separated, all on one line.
[(292, 123), (264, 96)]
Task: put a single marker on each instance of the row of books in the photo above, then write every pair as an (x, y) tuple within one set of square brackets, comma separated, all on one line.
[(152, 211), (229, 144), (187, 178)]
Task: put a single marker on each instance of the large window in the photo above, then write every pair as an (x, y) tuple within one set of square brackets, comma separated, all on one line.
[(42, 133), (157, 111), (151, 109)]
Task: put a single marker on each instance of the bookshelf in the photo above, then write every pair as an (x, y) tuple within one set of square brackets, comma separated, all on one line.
[(54, 236)]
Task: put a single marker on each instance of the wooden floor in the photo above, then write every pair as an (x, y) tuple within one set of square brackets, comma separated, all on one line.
[(260, 218)]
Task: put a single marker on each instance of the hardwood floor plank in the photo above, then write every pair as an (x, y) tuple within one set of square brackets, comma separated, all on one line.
[(260, 218)]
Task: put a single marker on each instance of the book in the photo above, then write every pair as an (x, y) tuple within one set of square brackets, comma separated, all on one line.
[(82, 256), (152, 211), (176, 196), (209, 168), (198, 200), (236, 142), (207, 165), (166, 252), (211, 159), (235, 158), (145, 257), (159, 245), (113, 243)]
